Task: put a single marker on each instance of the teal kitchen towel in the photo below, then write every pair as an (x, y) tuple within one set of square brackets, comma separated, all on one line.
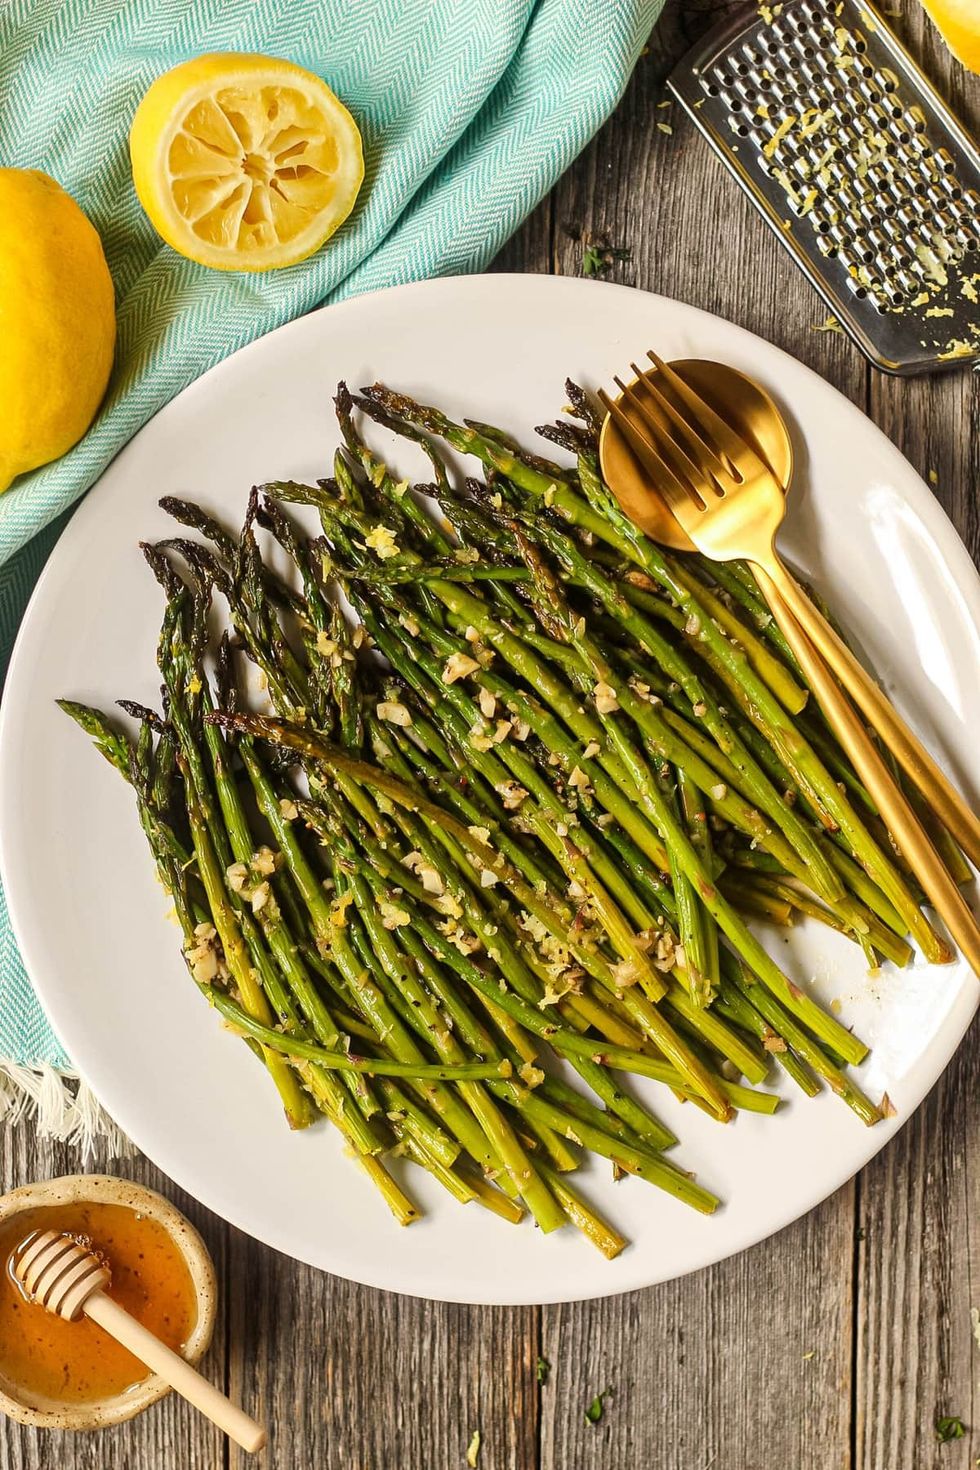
[(469, 109)]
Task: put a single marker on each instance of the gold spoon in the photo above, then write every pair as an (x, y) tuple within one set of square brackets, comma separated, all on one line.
[(741, 400), (728, 500)]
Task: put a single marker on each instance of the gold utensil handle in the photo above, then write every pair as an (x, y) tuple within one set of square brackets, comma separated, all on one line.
[(238, 1425), (901, 820), (955, 815)]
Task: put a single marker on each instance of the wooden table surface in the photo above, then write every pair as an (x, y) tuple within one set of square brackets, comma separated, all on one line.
[(836, 1343)]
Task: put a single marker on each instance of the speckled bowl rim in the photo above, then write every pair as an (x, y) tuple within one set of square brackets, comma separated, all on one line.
[(107, 1189)]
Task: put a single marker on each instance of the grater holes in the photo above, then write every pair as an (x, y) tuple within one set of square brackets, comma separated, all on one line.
[(828, 128)]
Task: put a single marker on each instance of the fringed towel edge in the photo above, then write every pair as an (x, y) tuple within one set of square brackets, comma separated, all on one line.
[(65, 1108)]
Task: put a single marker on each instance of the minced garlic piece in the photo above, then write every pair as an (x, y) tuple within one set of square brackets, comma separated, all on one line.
[(531, 1075), (459, 666), (487, 703), (513, 794), (394, 713), (427, 874), (237, 876), (605, 699), (204, 957), (288, 809), (479, 739), (382, 542), (392, 916)]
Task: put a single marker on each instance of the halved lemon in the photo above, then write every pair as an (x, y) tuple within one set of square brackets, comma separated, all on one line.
[(244, 163), (959, 21)]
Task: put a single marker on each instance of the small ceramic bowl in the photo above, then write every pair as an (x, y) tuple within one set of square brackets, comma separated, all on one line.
[(105, 1189)]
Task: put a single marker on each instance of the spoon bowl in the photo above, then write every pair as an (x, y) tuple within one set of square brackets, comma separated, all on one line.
[(750, 410)]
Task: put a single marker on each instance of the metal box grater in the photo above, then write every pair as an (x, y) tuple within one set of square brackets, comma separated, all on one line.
[(857, 165)]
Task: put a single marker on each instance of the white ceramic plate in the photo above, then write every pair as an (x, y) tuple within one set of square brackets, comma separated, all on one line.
[(90, 917)]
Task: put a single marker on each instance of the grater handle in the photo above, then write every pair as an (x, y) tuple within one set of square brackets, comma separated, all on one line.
[(918, 764)]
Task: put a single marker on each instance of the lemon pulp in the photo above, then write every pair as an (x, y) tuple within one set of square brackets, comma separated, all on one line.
[(245, 163)]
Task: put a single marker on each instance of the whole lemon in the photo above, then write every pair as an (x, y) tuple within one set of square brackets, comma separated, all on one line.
[(57, 322)]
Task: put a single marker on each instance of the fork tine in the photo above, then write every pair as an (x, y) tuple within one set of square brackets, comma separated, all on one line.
[(673, 490), (730, 444), (706, 458), (671, 450)]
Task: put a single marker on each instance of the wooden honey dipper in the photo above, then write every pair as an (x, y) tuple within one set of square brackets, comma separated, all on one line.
[(68, 1279)]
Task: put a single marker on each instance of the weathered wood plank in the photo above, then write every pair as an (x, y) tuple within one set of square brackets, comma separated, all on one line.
[(919, 1259), (170, 1433), (366, 1379), (747, 1364), (716, 1368)]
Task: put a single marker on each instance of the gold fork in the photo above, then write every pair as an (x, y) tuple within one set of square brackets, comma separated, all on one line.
[(730, 505)]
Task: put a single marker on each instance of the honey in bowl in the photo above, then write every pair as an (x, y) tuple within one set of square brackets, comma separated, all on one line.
[(77, 1362)]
